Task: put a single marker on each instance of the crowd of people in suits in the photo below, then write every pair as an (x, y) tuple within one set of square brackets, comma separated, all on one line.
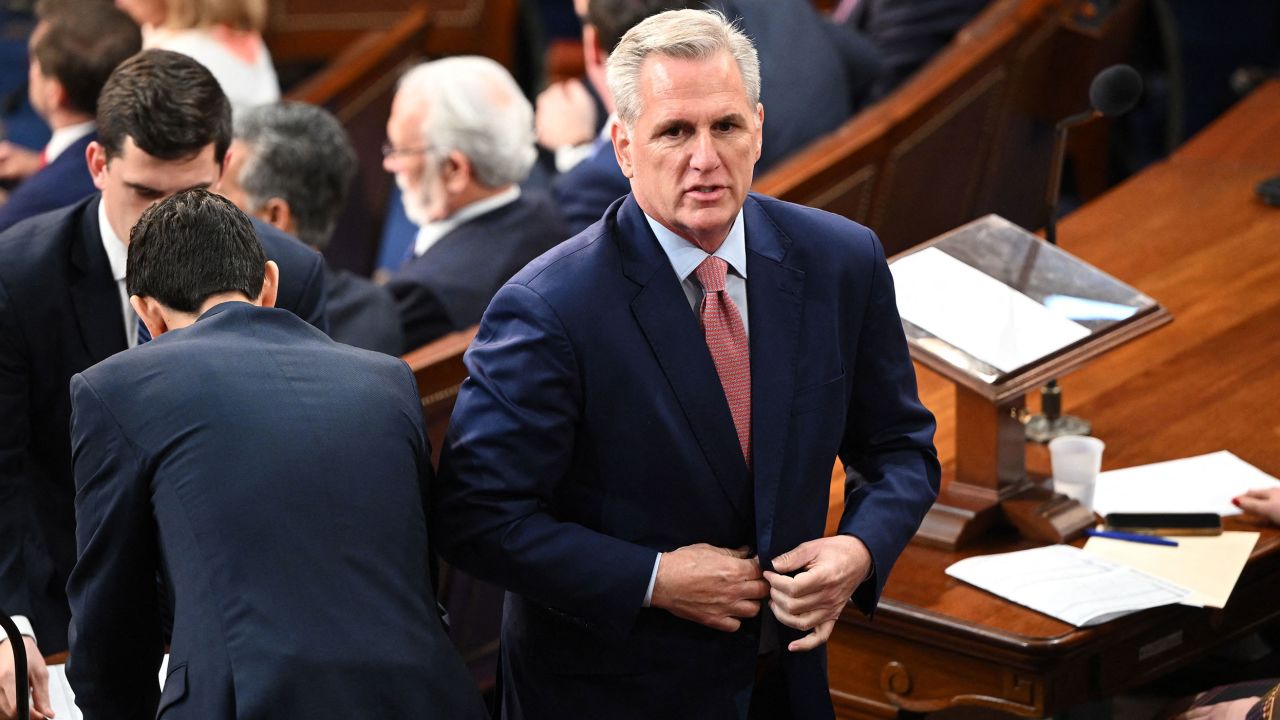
[(194, 453)]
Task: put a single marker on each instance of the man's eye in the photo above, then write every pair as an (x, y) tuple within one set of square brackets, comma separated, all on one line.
[(725, 126), (672, 132)]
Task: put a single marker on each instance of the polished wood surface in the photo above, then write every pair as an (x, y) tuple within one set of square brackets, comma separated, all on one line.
[(1190, 233), (320, 29), (439, 370)]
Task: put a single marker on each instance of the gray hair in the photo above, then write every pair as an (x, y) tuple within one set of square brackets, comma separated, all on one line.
[(684, 34), (475, 107), (300, 154)]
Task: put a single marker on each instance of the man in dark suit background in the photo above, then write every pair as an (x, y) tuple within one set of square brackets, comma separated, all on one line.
[(639, 483), (908, 33), (461, 139), (163, 126), (298, 565), (809, 93), (73, 50), (291, 165)]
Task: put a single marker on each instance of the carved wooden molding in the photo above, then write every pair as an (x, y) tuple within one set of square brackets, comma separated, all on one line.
[(897, 685)]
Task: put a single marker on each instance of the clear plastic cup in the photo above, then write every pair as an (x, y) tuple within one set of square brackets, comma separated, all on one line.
[(1076, 460)]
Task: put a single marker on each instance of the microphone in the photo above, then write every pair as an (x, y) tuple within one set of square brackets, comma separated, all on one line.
[(1114, 91)]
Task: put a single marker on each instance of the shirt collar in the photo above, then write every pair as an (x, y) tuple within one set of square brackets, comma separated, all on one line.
[(685, 257), (117, 251), (65, 137), (430, 233)]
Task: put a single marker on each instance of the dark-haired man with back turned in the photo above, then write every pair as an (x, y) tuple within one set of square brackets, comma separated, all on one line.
[(298, 565), (163, 126)]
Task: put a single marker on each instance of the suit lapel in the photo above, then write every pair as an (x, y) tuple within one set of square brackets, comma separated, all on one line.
[(93, 289), (662, 311), (775, 294)]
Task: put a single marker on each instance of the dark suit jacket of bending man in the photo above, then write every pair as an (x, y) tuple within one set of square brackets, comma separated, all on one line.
[(60, 313), (448, 287), (593, 432), (298, 564), (58, 184)]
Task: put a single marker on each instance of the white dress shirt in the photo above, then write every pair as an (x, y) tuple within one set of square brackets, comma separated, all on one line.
[(65, 137), (118, 256), (431, 233), (685, 257)]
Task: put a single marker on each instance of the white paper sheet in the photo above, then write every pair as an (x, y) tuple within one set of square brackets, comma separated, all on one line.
[(1063, 582), (1204, 483), (977, 313)]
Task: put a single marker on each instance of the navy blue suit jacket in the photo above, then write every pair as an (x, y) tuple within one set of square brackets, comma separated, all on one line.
[(448, 287), (590, 187), (298, 565), (593, 433), (60, 313), (58, 184)]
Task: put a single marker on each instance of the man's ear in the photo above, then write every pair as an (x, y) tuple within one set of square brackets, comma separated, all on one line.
[(457, 172), (149, 309), (270, 286), (277, 214), (759, 129), (592, 53), (95, 156), (622, 147)]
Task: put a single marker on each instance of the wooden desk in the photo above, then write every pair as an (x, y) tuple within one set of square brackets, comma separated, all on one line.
[(1191, 233)]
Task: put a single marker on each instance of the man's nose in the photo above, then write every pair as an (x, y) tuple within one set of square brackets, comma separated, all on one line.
[(705, 155)]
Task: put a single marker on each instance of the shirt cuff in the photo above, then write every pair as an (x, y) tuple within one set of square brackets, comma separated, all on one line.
[(24, 625), (653, 578)]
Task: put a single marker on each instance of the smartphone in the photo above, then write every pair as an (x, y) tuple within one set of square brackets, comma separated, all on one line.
[(1166, 523)]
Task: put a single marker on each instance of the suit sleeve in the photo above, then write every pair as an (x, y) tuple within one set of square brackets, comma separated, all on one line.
[(508, 451), (116, 641), (15, 436), (888, 439), (423, 316)]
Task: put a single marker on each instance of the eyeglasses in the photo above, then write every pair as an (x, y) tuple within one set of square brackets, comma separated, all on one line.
[(391, 151)]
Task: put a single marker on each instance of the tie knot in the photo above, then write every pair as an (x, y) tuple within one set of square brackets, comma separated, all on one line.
[(711, 274)]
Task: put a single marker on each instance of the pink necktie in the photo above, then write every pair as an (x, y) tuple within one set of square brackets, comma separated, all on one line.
[(727, 340)]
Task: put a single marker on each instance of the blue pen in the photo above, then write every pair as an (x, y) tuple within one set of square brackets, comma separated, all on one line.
[(1131, 537)]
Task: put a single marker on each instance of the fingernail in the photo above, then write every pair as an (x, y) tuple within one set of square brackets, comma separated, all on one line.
[(1235, 501)]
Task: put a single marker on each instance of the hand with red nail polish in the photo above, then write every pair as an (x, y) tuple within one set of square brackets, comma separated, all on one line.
[(1261, 502)]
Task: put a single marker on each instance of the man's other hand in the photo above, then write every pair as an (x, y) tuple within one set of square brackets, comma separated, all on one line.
[(709, 585), (565, 116), (830, 570), (37, 675)]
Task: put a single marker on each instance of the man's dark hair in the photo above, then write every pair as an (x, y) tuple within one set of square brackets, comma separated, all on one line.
[(300, 154), (80, 45), (168, 103), (613, 18), (190, 246)]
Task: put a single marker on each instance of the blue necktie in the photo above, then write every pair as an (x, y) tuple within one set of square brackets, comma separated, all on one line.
[(144, 335)]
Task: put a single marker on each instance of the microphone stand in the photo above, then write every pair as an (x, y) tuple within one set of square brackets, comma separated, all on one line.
[(22, 696), (1050, 423)]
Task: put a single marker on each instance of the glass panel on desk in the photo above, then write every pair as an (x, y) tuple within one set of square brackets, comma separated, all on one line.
[(1072, 301)]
